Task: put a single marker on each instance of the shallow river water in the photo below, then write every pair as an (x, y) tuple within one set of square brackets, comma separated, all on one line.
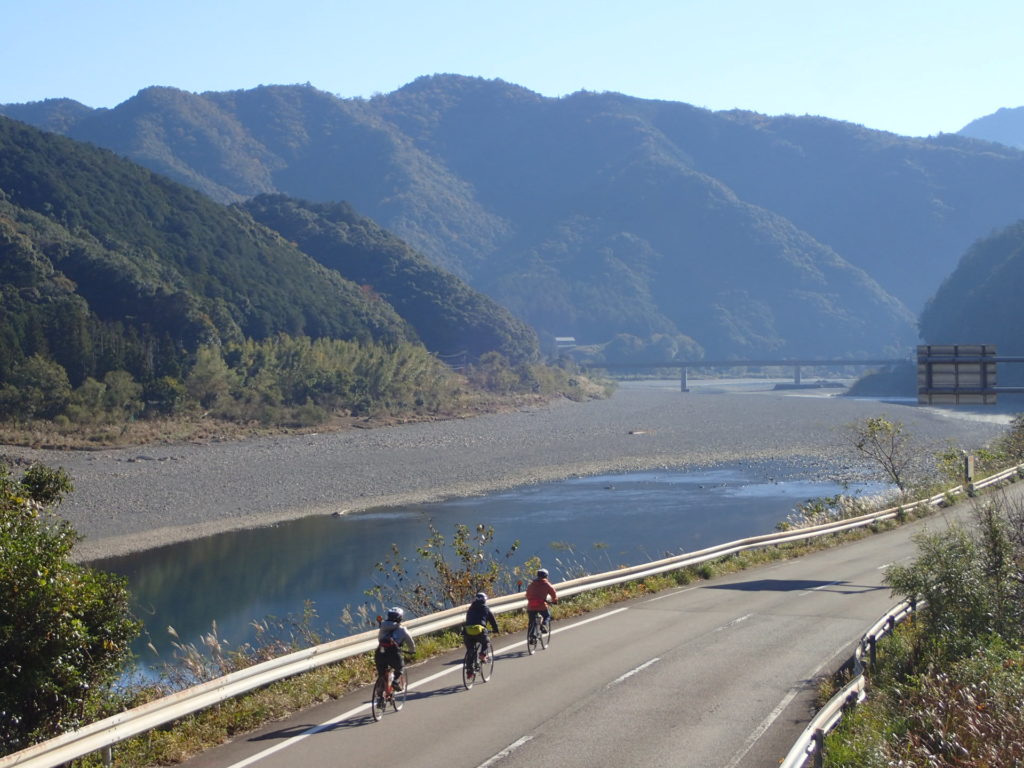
[(594, 523)]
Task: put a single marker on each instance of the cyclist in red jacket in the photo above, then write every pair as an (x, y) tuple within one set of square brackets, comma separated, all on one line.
[(537, 594)]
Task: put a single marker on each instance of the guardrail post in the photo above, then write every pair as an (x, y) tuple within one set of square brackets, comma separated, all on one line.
[(108, 756), (872, 650), (818, 740)]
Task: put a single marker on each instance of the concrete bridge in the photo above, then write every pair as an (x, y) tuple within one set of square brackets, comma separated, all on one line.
[(796, 365)]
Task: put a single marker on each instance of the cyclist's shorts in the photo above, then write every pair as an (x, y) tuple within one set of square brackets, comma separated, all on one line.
[(475, 629)]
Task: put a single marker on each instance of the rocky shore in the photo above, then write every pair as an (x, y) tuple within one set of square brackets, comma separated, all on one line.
[(132, 499)]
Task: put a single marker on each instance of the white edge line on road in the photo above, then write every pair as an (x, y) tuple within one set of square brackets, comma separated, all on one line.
[(765, 724), (632, 672), (416, 684), (505, 752), (670, 594)]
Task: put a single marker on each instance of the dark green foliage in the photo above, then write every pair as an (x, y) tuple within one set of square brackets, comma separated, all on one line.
[(979, 303), (138, 246), (65, 629), (118, 288), (451, 317)]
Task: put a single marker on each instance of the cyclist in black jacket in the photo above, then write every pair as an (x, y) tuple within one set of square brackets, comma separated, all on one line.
[(478, 618)]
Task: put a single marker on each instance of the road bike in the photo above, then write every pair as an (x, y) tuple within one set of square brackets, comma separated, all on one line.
[(539, 632), (384, 693), (477, 667)]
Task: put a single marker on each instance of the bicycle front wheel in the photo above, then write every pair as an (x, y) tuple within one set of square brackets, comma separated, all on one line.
[(469, 668), (378, 703), (487, 667)]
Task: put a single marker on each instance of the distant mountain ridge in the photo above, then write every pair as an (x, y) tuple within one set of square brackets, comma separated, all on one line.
[(596, 215), (1005, 126)]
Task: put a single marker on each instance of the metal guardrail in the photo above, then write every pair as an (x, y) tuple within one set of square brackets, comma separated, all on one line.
[(111, 730), (812, 740)]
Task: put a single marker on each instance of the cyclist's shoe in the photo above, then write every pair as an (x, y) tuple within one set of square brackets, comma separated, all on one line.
[(380, 703), (483, 657), (396, 685)]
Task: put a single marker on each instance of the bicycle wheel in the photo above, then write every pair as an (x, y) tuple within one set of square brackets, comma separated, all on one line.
[(398, 697), (469, 665), (378, 704), (544, 634), (531, 637), (487, 667)]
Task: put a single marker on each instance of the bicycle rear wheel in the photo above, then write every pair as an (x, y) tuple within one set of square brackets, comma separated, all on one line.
[(398, 697), (531, 637), (469, 665), (378, 704), (544, 634)]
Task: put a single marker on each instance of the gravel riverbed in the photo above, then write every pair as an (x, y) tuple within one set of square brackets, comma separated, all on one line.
[(132, 499)]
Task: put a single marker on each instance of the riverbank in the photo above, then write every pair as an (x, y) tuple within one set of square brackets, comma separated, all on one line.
[(127, 500)]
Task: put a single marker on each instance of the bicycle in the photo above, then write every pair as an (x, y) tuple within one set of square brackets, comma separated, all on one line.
[(539, 632), (384, 693), (473, 667)]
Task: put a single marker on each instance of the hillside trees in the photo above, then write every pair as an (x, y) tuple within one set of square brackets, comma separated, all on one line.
[(65, 629), (123, 294)]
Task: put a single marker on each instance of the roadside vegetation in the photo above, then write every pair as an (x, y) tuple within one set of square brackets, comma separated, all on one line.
[(949, 686), (966, 641)]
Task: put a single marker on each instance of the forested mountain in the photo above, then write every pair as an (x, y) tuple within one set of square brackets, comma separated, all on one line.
[(1005, 126), (598, 214), (980, 302), (108, 268), (450, 317)]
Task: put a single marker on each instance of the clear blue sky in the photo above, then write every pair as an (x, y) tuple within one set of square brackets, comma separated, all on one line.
[(914, 67)]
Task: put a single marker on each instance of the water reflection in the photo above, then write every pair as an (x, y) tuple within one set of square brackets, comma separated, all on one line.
[(594, 522)]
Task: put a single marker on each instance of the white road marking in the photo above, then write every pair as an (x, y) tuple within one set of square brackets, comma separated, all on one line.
[(505, 752), (818, 588), (632, 672), (733, 623), (416, 684), (765, 724), (670, 594)]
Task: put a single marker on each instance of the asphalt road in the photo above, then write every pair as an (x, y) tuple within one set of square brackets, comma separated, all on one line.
[(720, 673)]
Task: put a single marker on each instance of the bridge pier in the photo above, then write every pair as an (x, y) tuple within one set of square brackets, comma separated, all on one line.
[(682, 379), (796, 375)]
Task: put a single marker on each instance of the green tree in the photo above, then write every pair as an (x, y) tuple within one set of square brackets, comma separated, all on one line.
[(886, 444), (38, 388), (210, 379), (123, 394), (65, 628)]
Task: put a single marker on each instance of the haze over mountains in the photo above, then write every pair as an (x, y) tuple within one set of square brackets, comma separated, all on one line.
[(598, 214)]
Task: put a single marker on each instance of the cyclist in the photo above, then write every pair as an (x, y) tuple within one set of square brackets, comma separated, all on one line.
[(537, 594), (390, 639), (474, 631)]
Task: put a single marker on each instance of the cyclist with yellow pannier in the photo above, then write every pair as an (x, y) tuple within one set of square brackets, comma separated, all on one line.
[(478, 618)]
